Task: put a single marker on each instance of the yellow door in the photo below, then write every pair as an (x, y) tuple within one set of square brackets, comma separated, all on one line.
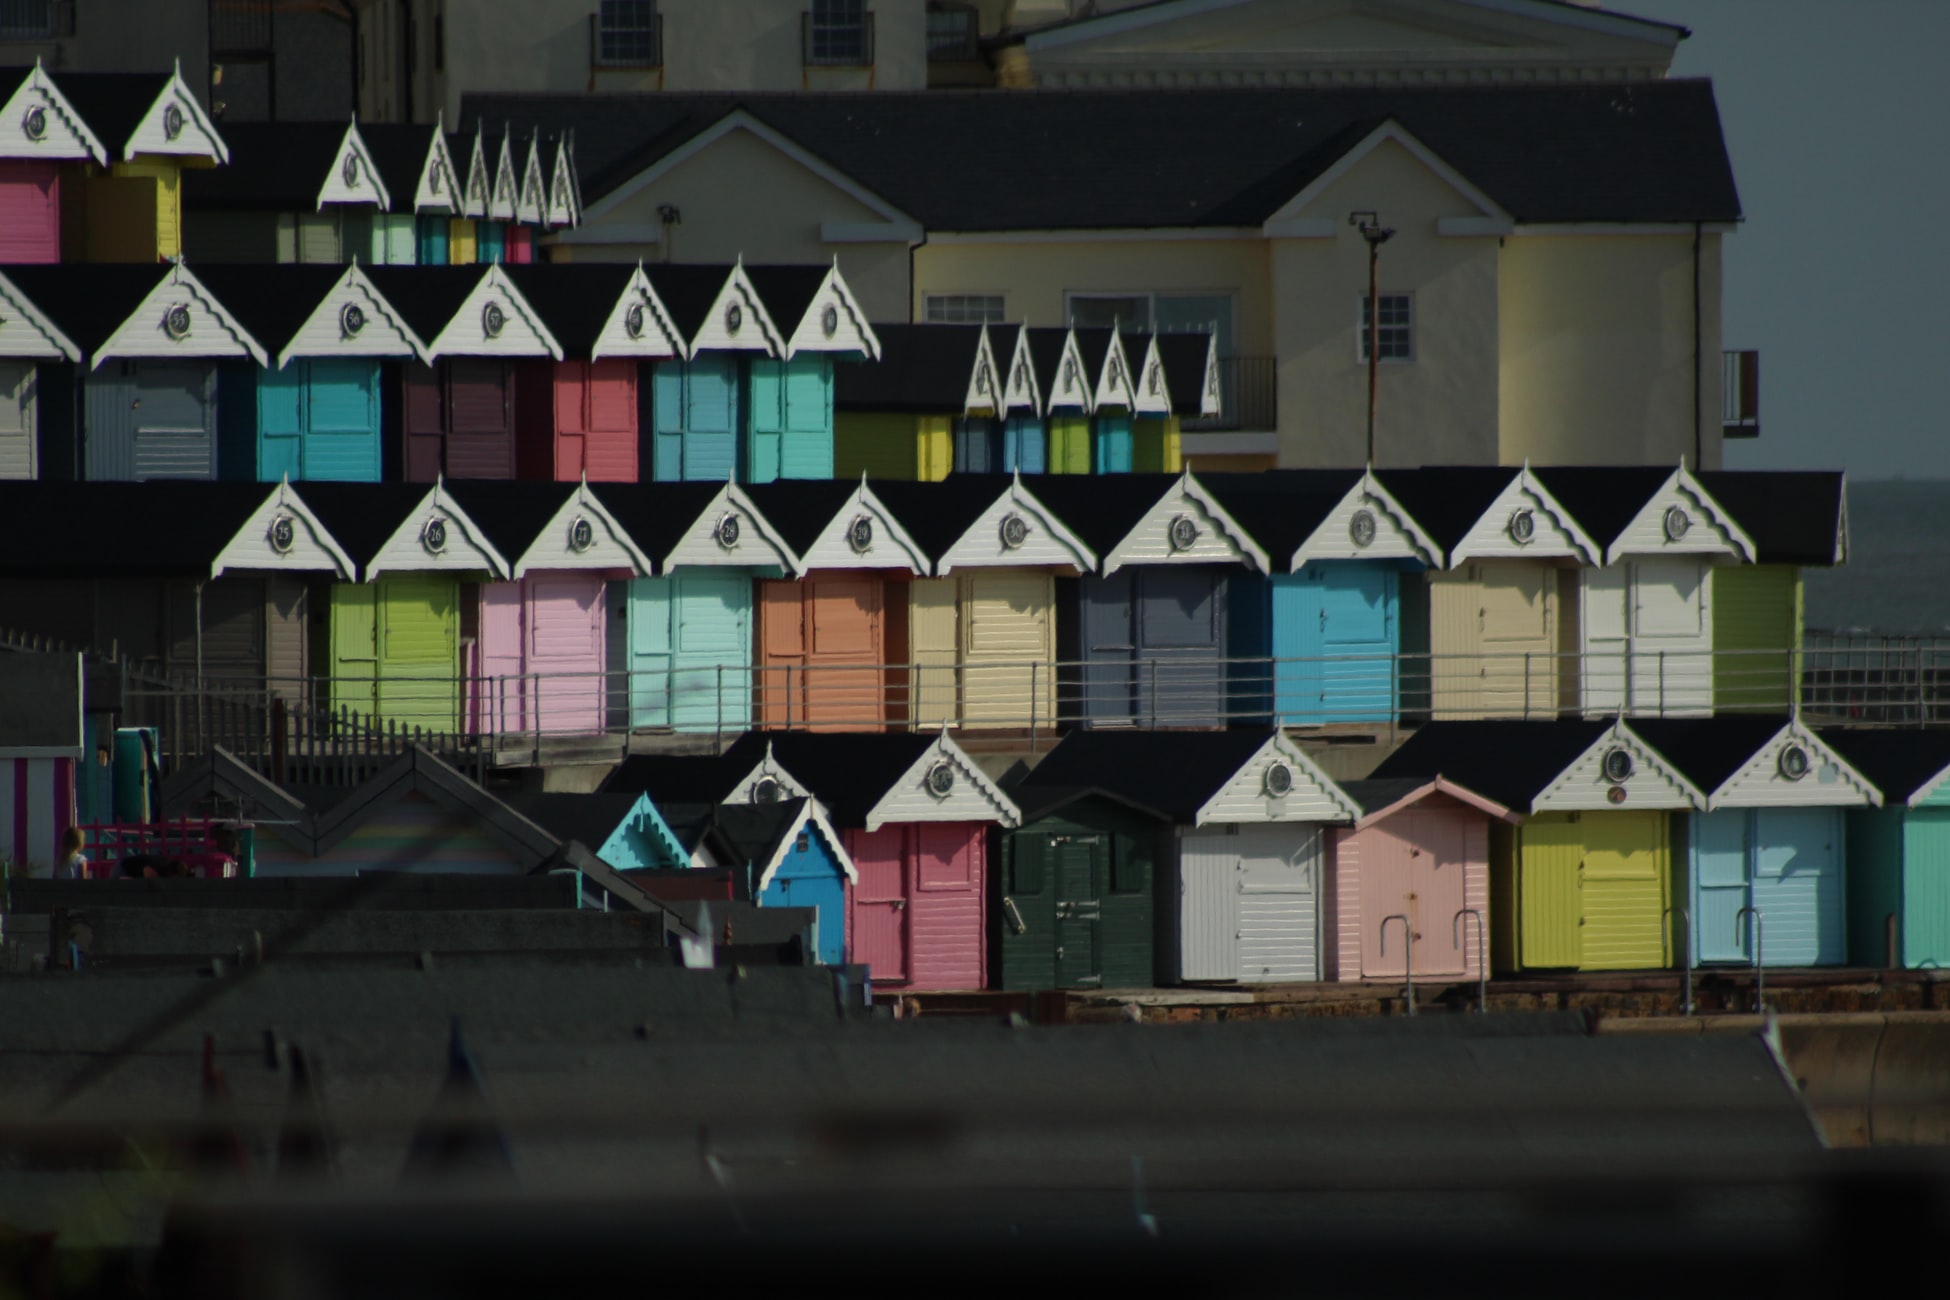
[(935, 449), (1455, 603), (1625, 890), (1549, 849), (1008, 646), (462, 244), (932, 639)]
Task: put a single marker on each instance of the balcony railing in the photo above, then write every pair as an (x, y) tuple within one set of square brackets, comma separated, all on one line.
[(639, 45), (1248, 398), (834, 44), (1740, 394), (36, 20)]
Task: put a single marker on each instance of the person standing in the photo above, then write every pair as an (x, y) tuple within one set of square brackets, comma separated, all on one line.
[(72, 864)]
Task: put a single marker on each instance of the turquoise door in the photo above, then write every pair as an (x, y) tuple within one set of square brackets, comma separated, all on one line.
[(1797, 864), (1925, 899), (695, 417), (1720, 886), (431, 241), (1336, 631), (690, 639), (792, 419), (319, 420), (1111, 444), (493, 242), (1025, 445), (280, 423)]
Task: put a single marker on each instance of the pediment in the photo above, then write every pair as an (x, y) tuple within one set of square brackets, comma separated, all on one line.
[(1592, 784), (495, 321), (864, 535), (583, 535), (1774, 778), (437, 536), (1386, 533), (1017, 531), (180, 318), (39, 122), (730, 533), (1526, 522), (353, 178), (354, 320)]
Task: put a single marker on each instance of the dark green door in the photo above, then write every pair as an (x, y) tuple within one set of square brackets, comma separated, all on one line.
[(1080, 869), (1027, 916)]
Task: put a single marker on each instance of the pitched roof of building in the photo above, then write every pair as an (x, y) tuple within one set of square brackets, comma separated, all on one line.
[(937, 515), (1707, 751), (591, 818), (575, 299), (399, 150), (362, 517), (849, 771), (1898, 763), (168, 526), (1447, 500), (657, 516), (688, 291), (1509, 761), (1183, 357), (276, 166), (1174, 772), (1281, 508), (1794, 516), (924, 369), (803, 508), (426, 297), (1603, 499), (112, 103), (1100, 509), (1152, 157), (674, 780), (511, 513), (89, 301), (272, 302)]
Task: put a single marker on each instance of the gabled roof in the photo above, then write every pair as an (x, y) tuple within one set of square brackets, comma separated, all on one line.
[(1086, 23), (1381, 797), (43, 122), (820, 521), (408, 156), (693, 293), (1061, 372), (204, 519), (944, 518), (665, 520), (1304, 515), (1448, 501), (1180, 773), (362, 517), (1040, 801), (384, 527), (419, 771), (1211, 156), (1793, 516), (580, 533), (803, 300), (27, 331), (675, 780), (289, 167), (532, 202), (143, 112), (761, 835), (276, 303), (1740, 761), (87, 301), (1191, 372), (1021, 391), (592, 818), (1632, 510), (1106, 368), (509, 514), (923, 369), (1521, 765), (426, 297), (581, 301), (1906, 766), (1110, 511), (858, 776), (1474, 511), (471, 169)]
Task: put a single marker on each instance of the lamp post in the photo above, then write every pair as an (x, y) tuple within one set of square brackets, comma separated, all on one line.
[(1376, 234)]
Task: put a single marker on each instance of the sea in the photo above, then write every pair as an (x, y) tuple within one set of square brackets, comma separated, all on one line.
[(1897, 579)]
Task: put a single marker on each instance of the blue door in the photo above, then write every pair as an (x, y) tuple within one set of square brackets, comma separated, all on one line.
[(342, 421), (1025, 445), (1720, 886), (280, 423), (1798, 885), (1336, 632), (695, 417), (1111, 448), (978, 445), (809, 877)]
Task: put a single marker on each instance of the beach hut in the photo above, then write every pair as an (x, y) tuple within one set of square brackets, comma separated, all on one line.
[(41, 751), (1586, 881), (915, 815), (1065, 383), (789, 405), (1769, 840), (1245, 867), (1898, 854), (927, 407), (792, 857), (1024, 432), (625, 830), (1329, 617), (696, 411), (1643, 622), (1495, 626), (1075, 906), (37, 386), (1176, 377), (50, 139), (291, 192), (982, 635), (826, 638), (577, 418), (1797, 520), (1150, 628), (1113, 401), (681, 642), (469, 153), (1407, 887)]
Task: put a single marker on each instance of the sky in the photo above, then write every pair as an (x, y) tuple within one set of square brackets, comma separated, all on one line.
[(1837, 116)]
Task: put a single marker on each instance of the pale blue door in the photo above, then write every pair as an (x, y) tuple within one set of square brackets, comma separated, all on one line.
[(1798, 885), (690, 650), (1025, 445), (342, 421), (1720, 886)]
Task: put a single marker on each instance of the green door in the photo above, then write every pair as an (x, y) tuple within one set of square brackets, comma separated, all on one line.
[(1027, 915), (418, 617), (1926, 889), (1080, 870), (1069, 444), (1549, 850), (355, 653), (1756, 632)]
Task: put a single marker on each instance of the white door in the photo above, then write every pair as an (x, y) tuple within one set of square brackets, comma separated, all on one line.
[(1279, 909), (1607, 645), (1672, 666), (1208, 904)]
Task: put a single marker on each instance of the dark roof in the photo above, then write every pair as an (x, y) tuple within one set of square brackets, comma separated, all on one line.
[(1373, 795), (924, 369), (1174, 772), (1510, 762), (1038, 802), (279, 166), (168, 526), (1447, 500), (591, 818), (362, 516), (1639, 152), (801, 509), (673, 780), (656, 515), (1046, 343), (1281, 508), (1184, 356), (787, 291), (113, 104), (575, 299), (937, 515), (1101, 510), (1603, 499), (271, 302), (1898, 763), (687, 292), (1084, 16), (1794, 516), (744, 833), (399, 150), (426, 297), (849, 772), (1094, 344), (1709, 750), (88, 300), (510, 513), (750, 924)]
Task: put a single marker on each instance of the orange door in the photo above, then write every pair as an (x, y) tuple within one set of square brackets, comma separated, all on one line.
[(843, 660), (782, 653)]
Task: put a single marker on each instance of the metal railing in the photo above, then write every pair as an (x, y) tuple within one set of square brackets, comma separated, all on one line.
[(636, 45), (36, 20), (1740, 394), (836, 43), (1248, 398)]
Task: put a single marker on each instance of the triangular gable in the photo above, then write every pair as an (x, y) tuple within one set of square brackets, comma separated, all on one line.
[(532, 201), (1681, 518), (1279, 783), (1186, 526), (354, 320), (1022, 391), (439, 186), (864, 535), (1368, 524), (419, 772), (730, 533), (437, 536), (39, 122), (834, 322), (1438, 785), (1070, 386), (476, 190), (27, 332), (1293, 220), (583, 535), (639, 325), (753, 787), (1650, 784), (180, 318), (943, 785), (1150, 392), (495, 321), (507, 181), (811, 818), (353, 177), (984, 378), (561, 186), (1113, 380), (1208, 393), (647, 820), (1017, 531), (283, 534), (223, 775), (1526, 522), (738, 321), (1815, 777), (176, 125)]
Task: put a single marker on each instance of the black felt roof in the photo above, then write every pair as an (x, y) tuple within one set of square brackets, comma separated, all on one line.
[(1646, 151), (1100, 509), (88, 300), (399, 150), (751, 832), (591, 818), (1898, 763), (1794, 516), (575, 299), (1046, 343), (787, 292), (1183, 357), (362, 516), (801, 509), (1510, 762), (1603, 499), (168, 526), (1039, 801), (687, 292), (672, 780), (113, 104), (849, 772), (1709, 750), (925, 369), (937, 515), (271, 302), (1280, 508), (426, 297), (1373, 795), (1447, 500), (279, 166), (1174, 772), (656, 515), (511, 514)]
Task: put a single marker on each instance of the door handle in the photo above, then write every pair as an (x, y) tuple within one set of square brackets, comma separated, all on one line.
[(1016, 922)]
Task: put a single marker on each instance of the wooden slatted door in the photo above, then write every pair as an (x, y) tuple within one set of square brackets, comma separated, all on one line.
[(1276, 872), (418, 633), (1797, 859), (1181, 646), (947, 937), (341, 421), (1027, 922), (694, 409), (1413, 866), (1110, 646), (354, 637), (1025, 445), (1721, 884), (1923, 842), (1605, 622), (1672, 665), (152, 420), (1208, 904), (30, 211), (425, 421), (1622, 891), (480, 418), (17, 411), (596, 421), (933, 646), (791, 433), (1335, 635), (1113, 450), (564, 651), (1008, 648), (1516, 631), (880, 902), (782, 610), (1081, 867), (846, 647), (501, 697), (1550, 922)]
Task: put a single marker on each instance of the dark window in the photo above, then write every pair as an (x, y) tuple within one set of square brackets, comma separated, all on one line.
[(1396, 336), (839, 33), (22, 20), (1130, 870), (629, 34), (1026, 866), (951, 33), (964, 308)]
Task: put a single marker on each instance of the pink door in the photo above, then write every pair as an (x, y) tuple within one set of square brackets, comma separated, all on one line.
[(949, 943), (879, 929), (571, 437), (1413, 865), (611, 422), (564, 616), (30, 211), (499, 691)]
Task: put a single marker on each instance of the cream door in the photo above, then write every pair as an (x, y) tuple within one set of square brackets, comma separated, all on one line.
[(1008, 647), (933, 639)]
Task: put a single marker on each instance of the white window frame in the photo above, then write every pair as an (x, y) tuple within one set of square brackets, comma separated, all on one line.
[(928, 300), (1151, 296), (1361, 328)]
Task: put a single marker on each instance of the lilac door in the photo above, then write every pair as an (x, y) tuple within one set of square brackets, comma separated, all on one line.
[(498, 687), (565, 651)]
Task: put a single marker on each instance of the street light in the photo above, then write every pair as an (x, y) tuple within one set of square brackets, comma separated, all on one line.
[(1376, 234)]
